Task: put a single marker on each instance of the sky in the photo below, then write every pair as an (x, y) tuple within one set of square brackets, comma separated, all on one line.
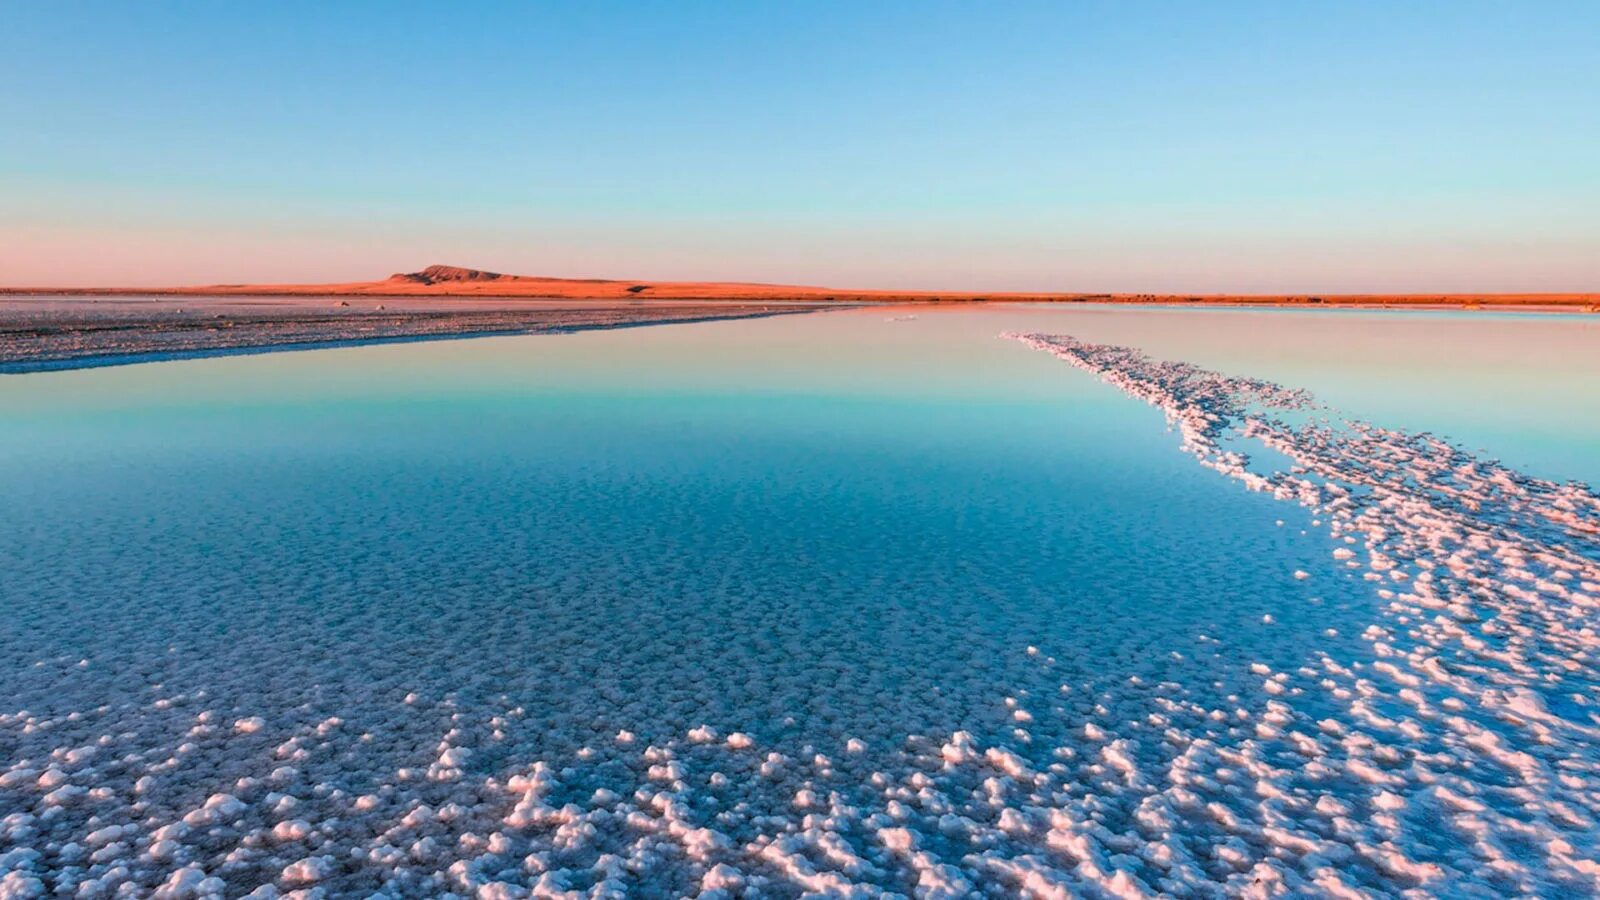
[(1054, 146)]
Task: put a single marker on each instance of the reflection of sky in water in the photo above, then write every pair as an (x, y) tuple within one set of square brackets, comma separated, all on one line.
[(1522, 386), (812, 461), (1519, 385), (836, 449), (805, 528)]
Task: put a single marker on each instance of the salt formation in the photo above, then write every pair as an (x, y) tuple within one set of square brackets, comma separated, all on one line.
[(44, 335), (629, 719), (1478, 714)]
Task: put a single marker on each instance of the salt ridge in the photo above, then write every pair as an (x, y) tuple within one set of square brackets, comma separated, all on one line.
[(1479, 718)]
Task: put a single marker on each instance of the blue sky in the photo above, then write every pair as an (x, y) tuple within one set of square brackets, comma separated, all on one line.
[(1052, 146)]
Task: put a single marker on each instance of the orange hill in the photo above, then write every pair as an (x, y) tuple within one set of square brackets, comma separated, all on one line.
[(455, 281)]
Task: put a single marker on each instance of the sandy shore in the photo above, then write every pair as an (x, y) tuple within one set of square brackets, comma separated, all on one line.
[(67, 332), (459, 283)]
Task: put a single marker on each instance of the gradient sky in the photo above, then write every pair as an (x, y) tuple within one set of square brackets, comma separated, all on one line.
[(1053, 146)]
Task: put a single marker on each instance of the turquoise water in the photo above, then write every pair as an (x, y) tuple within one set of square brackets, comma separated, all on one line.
[(851, 476), (808, 530)]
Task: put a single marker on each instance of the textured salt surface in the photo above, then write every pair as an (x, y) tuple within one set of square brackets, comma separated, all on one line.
[(38, 335), (589, 670), (1471, 741)]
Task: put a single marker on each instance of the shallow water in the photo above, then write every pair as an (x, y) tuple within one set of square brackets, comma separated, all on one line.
[(455, 573)]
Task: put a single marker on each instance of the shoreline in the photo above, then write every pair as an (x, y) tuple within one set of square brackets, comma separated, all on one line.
[(1580, 302), (54, 339), (457, 284)]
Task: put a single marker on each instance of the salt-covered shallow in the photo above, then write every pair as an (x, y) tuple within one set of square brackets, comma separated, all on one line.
[(830, 605)]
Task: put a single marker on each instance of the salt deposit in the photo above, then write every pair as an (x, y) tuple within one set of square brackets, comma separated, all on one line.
[(1478, 718)]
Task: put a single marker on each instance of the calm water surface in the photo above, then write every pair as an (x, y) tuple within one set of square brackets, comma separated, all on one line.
[(808, 529)]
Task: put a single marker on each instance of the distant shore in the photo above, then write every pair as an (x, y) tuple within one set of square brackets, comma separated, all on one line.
[(56, 332), (445, 282)]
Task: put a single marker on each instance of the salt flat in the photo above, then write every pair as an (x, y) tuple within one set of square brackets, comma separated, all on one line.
[(856, 603), (47, 332)]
